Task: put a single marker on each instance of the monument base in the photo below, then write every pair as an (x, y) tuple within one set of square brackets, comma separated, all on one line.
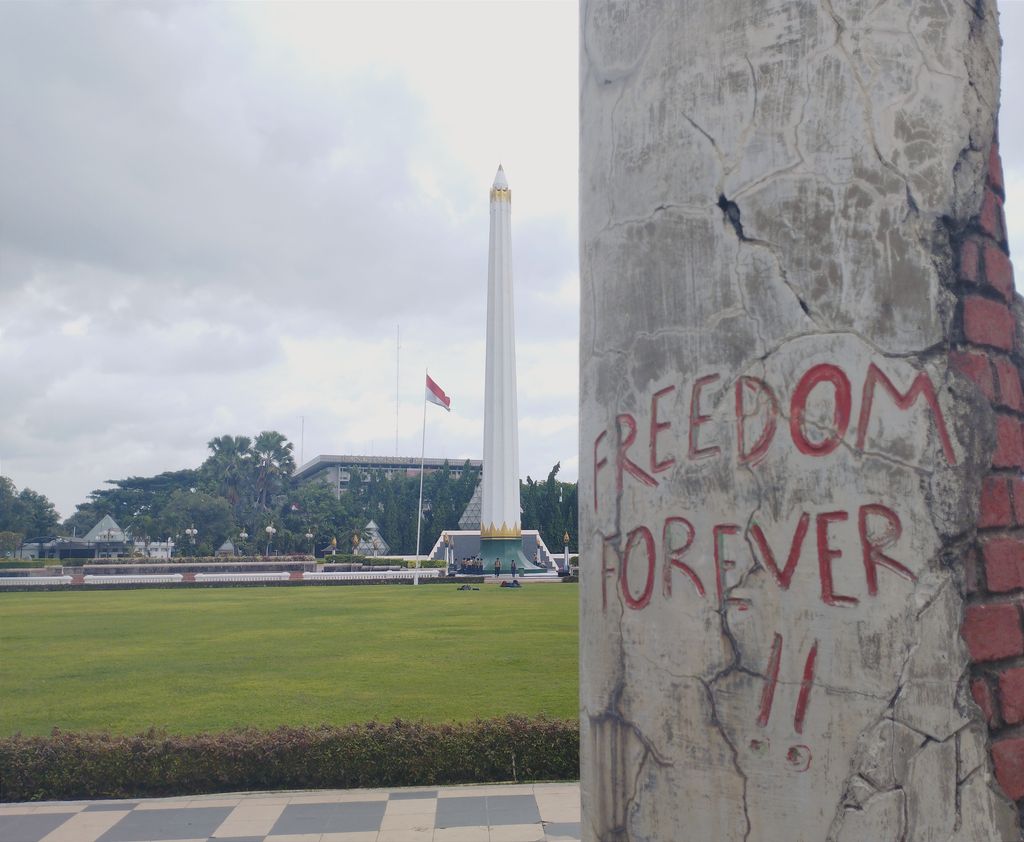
[(507, 550)]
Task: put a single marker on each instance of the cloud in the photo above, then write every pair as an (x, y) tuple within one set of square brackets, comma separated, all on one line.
[(187, 161), (213, 217)]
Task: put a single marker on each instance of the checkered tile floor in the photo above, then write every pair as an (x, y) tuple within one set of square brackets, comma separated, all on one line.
[(511, 813)]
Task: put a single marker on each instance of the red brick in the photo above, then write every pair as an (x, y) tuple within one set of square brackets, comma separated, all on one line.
[(1004, 564), (995, 170), (1009, 451), (971, 579), (988, 322), (1008, 378), (983, 698), (1011, 692), (991, 218), (993, 632), (1008, 756), (975, 366), (1017, 485), (970, 262), (998, 270), (996, 507)]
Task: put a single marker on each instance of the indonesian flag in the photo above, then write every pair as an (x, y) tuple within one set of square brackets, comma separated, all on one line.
[(435, 394)]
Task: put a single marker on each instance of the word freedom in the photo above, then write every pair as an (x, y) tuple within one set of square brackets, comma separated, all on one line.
[(648, 558)]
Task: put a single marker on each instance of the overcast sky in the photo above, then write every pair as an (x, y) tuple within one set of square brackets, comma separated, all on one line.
[(213, 217)]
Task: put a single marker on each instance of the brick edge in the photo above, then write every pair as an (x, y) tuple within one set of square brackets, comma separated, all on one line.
[(988, 349)]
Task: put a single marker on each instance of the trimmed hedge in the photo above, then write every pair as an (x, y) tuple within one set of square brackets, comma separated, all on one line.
[(347, 558), (70, 766), (22, 564), (377, 561), (428, 564)]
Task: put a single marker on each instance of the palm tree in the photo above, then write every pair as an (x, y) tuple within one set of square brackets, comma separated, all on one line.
[(273, 463), (230, 465)]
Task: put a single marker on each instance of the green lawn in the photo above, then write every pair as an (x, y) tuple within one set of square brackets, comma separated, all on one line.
[(207, 660)]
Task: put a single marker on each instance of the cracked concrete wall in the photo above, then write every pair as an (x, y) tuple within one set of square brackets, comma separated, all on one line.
[(780, 471)]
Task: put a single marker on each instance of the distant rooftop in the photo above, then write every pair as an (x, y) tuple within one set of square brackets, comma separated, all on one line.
[(106, 530), (319, 463)]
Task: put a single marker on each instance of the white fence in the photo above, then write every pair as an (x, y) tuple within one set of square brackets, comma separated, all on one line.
[(35, 580), (243, 577), (137, 579), (376, 576), (176, 578)]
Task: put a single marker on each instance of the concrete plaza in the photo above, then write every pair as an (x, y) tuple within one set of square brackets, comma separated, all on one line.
[(486, 813)]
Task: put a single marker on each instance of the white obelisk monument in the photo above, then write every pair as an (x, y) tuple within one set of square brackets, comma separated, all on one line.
[(501, 534)]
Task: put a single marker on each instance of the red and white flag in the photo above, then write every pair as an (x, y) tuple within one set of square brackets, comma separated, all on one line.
[(435, 394)]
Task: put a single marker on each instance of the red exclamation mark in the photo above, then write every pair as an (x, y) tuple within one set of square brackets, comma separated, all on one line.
[(772, 679), (805, 689)]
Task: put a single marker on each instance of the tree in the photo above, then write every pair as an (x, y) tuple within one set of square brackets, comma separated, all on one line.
[(28, 513), (136, 503), (313, 507), (8, 506), (37, 514), (210, 515), (274, 465), (9, 542), (550, 508), (228, 471), (391, 502)]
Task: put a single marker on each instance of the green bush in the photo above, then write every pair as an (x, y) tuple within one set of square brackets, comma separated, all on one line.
[(23, 563), (208, 559), (67, 766), (347, 558), (426, 564)]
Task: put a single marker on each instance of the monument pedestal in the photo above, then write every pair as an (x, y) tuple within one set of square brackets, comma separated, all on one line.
[(506, 549)]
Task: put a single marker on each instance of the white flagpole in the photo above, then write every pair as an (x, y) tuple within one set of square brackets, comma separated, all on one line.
[(398, 392), (423, 453)]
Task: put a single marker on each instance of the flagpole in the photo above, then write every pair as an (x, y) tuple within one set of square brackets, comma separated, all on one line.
[(423, 453), (398, 391)]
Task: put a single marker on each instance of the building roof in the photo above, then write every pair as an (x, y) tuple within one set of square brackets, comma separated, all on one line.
[(106, 530), (372, 543), (319, 463), (471, 514)]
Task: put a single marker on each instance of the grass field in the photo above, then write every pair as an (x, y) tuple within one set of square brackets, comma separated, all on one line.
[(206, 660)]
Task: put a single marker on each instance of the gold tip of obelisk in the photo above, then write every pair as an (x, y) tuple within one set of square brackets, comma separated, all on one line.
[(499, 190)]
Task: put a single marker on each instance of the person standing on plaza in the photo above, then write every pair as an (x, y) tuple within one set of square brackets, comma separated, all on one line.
[(515, 569), (497, 568)]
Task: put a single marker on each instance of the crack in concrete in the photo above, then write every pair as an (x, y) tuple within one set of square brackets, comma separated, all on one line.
[(716, 723), (744, 136), (732, 214), (868, 111), (685, 210)]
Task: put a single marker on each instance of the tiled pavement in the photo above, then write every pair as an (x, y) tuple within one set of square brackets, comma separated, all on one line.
[(499, 813)]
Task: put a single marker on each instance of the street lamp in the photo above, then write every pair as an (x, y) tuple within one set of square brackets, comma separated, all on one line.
[(270, 537), (312, 549), (243, 536), (192, 532)]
